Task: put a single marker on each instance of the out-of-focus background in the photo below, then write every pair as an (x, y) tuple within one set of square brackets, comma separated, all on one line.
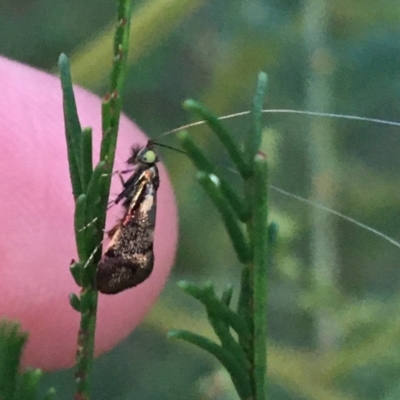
[(334, 307)]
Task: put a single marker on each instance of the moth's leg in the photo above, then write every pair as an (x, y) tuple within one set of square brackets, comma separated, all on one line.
[(124, 172)]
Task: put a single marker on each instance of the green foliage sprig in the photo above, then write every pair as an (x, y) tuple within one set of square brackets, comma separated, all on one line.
[(246, 221), (16, 385), (91, 188)]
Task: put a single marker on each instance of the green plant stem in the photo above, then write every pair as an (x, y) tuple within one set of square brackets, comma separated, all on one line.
[(252, 304), (260, 242), (77, 146), (79, 225), (244, 358), (98, 191), (259, 238), (85, 347), (253, 142), (112, 103), (245, 301)]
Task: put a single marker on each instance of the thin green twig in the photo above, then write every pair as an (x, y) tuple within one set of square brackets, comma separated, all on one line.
[(259, 275), (254, 284), (244, 354), (239, 379), (111, 108), (91, 190)]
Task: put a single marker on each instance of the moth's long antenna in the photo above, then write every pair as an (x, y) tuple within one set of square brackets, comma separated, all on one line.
[(299, 198), (288, 111), (193, 124), (338, 214), (168, 147), (332, 115), (331, 211)]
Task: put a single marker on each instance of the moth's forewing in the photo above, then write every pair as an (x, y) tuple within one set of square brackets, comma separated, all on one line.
[(129, 257)]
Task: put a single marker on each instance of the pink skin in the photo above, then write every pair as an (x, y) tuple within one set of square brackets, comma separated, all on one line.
[(36, 215)]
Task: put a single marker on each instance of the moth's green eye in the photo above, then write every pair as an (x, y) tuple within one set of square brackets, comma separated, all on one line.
[(149, 157)]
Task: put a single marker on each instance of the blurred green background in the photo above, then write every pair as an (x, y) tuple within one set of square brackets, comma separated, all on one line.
[(334, 321)]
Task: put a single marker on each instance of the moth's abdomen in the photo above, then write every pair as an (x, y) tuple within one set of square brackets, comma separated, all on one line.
[(117, 274)]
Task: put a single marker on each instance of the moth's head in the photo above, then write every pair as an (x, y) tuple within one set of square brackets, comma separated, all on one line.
[(143, 155)]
